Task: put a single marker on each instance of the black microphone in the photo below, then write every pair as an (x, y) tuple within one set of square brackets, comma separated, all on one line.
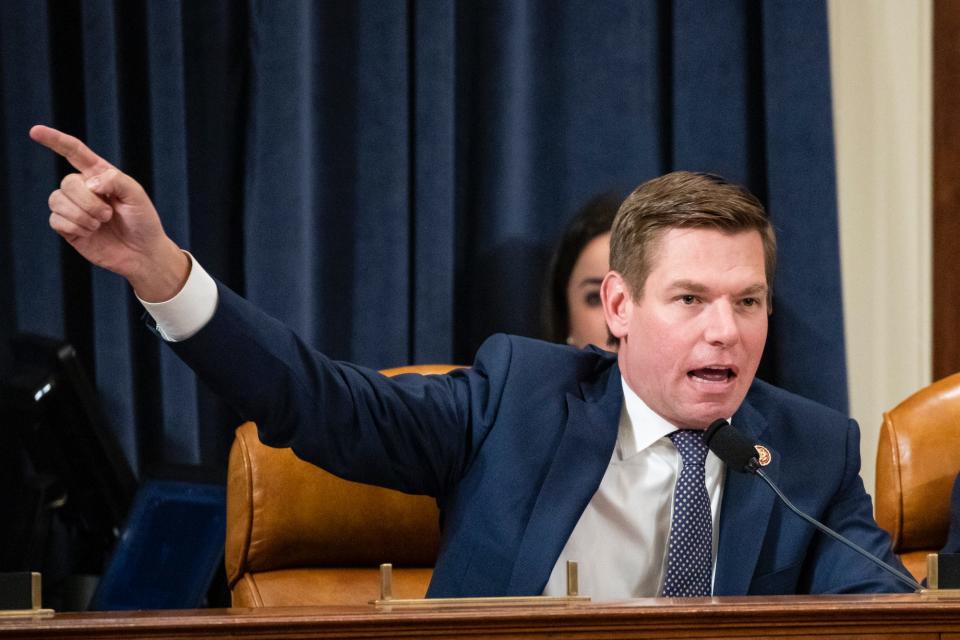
[(736, 450)]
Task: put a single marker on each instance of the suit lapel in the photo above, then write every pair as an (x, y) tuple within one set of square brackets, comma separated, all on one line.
[(744, 513), (579, 463)]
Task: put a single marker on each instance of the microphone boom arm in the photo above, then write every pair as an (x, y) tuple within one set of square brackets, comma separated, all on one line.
[(836, 536)]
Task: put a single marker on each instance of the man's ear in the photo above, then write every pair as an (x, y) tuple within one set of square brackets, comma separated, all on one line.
[(616, 303)]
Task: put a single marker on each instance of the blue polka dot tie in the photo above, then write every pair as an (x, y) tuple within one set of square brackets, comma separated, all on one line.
[(690, 551)]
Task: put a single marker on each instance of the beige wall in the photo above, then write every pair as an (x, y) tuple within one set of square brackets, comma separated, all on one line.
[(882, 92)]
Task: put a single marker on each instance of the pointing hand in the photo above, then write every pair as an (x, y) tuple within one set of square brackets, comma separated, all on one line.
[(109, 219)]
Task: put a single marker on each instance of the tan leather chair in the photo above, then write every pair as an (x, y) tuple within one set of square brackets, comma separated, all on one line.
[(917, 460), (297, 535)]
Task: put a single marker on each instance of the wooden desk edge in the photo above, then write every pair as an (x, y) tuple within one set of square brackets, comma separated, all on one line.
[(648, 617)]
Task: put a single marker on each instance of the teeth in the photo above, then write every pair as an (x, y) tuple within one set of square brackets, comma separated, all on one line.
[(712, 374)]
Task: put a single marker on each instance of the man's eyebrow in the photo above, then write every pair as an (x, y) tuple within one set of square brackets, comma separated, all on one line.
[(696, 287), (689, 285), (754, 289)]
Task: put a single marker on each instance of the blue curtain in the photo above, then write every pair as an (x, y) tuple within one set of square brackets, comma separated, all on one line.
[(388, 177)]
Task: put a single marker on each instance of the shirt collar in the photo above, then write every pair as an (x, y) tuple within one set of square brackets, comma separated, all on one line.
[(640, 426)]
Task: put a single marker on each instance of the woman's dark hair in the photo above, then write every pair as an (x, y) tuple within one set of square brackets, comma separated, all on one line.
[(593, 219)]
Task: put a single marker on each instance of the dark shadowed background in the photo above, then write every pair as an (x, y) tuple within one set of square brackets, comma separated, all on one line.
[(388, 177)]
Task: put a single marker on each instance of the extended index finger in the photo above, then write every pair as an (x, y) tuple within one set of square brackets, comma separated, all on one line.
[(76, 153)]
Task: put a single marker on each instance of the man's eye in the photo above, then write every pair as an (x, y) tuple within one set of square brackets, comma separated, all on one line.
[(592, 299), (750, 302), (688, 299)]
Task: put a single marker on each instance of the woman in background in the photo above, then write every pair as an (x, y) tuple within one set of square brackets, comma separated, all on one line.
[(571, 309)]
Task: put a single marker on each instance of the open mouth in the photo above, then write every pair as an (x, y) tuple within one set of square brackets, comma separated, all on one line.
[(713, 374)]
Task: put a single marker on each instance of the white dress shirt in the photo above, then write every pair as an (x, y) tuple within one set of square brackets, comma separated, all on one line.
[(190, 310), (620, 541)]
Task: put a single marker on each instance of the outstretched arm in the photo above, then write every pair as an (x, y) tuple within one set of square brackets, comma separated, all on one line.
[(109, 219)]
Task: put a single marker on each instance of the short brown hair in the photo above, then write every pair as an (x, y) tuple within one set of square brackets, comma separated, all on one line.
[(683, 199)]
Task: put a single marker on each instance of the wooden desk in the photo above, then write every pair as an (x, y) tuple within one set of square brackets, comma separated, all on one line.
[(833, 617)]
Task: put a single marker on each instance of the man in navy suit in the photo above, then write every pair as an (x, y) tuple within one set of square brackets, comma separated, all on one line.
[(539, 453)]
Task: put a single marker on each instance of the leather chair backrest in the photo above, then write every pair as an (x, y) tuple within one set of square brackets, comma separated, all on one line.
[(918, 458), (297, 535)]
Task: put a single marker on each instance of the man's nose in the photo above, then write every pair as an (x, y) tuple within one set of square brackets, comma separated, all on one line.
[(722, 328)]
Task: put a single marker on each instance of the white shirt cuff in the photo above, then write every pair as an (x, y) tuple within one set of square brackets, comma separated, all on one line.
[(190, 310)]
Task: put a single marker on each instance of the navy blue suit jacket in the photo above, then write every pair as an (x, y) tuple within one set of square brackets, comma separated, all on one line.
[(953, 537), (514, 448)]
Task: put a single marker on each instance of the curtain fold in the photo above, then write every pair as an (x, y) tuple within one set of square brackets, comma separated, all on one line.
[(806, 342), (388, 178)]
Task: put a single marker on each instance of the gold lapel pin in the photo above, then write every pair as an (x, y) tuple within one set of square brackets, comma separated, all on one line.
[(764, 454)]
